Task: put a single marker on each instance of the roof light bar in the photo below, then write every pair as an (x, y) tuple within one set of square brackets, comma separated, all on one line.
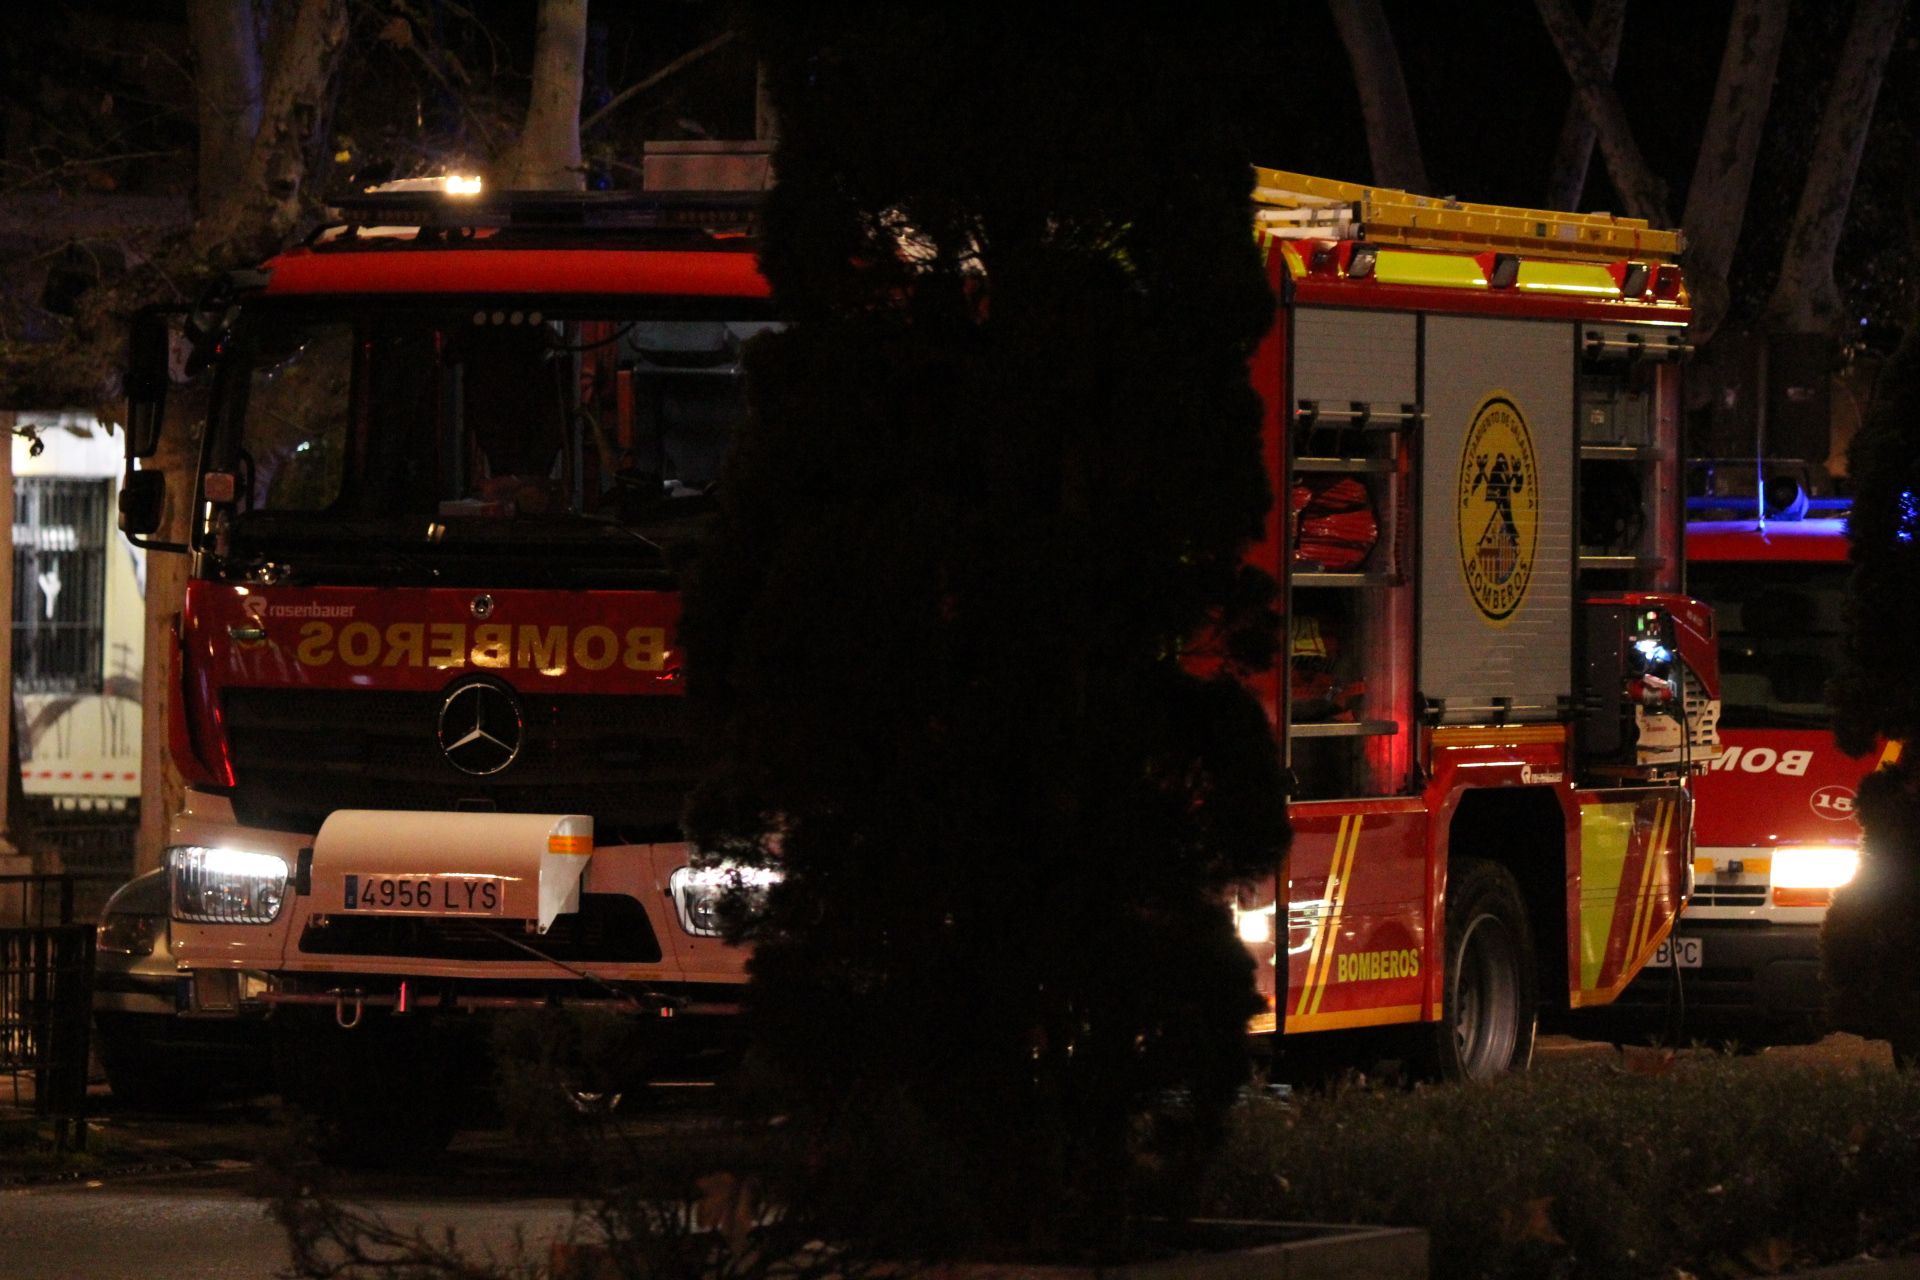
[(453, 184), (440, 207)]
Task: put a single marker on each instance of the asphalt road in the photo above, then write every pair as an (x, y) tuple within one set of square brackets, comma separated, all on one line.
[(210, 1226), (195, 1204)]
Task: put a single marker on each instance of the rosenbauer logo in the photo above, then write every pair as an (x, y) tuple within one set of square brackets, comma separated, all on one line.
[(1499, 510)]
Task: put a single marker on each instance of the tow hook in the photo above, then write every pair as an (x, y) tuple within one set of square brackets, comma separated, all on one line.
[(345, 1001)]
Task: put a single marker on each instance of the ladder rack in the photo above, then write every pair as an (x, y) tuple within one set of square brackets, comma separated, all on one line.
[(1296, 206)]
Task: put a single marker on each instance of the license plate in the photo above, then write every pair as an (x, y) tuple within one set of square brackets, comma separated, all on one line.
[(1689, 952), (422, 895)]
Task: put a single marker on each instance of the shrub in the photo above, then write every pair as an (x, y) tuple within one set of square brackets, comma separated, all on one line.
[(1723, 1167)]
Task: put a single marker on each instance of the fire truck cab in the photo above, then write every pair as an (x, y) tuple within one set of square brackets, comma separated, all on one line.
[(1775, 824), (429, 708)]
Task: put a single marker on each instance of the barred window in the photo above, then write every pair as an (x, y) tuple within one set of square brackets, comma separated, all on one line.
[(60, 539)]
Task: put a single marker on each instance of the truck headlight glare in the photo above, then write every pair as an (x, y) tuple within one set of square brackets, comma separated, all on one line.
[(1814, 866), (699, 891), (225, 886)]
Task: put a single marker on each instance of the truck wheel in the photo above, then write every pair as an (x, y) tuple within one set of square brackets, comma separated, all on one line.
[(146, 1087), (1487, 1026), (379, 1096)]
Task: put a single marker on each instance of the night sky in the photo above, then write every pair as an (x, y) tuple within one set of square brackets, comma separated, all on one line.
[(1487, 89)]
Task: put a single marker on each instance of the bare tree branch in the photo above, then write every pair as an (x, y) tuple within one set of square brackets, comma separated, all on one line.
[(1723, 172), (679, 64), (1640, 190), (47, 175), (1806, 299), (1392, 141), (1573, 154)]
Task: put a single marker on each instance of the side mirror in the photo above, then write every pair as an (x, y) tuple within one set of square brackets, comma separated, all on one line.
[(143, 502), (147, 375)]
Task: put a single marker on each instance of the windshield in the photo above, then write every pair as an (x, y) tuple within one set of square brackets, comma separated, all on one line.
[(438, 431), (1780, 629)]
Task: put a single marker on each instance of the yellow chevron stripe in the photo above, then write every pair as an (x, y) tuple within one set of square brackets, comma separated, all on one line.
[(1640, 893), (1339, 913), (1339, 908), (1643, 909), (1640, 904), (1659, 850), (1326, 910), (1320, 930)]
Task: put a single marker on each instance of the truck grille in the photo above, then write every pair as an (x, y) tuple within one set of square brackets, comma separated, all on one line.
[(299, 754), (608, 928), (1708, 894)]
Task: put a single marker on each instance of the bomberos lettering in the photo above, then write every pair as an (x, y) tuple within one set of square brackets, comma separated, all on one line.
[(490, 646)]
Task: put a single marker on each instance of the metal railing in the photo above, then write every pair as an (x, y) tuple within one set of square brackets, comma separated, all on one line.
[(46, 1000)]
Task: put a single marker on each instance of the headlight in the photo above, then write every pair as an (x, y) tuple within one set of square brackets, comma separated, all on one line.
[(698, 892), (225, 886), (1814, 866)]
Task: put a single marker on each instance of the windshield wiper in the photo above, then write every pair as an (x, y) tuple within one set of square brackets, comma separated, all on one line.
[(582, 519)]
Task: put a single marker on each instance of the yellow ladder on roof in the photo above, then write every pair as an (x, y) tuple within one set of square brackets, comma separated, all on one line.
[(1295, 205)]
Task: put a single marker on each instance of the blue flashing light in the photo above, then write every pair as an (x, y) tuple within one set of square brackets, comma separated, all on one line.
[(1908, 524)]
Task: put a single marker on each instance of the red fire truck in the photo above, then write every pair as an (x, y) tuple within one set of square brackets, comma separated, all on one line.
[(1491, 714), (1775, 830), (459, 446)]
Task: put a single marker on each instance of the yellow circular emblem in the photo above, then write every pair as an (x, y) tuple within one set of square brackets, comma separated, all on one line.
[(1499, 509)]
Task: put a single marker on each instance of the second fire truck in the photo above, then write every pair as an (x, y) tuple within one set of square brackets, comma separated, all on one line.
[(430, 713)]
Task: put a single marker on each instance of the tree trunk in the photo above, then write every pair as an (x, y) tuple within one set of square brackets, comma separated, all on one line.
[(547, 157), (1723, 172), (250, 216), (1391, 140), (161, 790), (1573, 155), (227, 75), (1806, 299), (12, 751), (1642, 193)]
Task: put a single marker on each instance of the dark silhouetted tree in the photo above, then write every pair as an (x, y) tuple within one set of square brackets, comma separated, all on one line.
[(1001, 468), (1871, 939)]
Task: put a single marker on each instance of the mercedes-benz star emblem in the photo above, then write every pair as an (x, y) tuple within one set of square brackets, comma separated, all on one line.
[(480, 728)]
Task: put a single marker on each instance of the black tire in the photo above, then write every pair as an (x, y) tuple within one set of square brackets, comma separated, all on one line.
[(144, 1087), (381, 1095), (1491, 1010), (151, 1065)]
